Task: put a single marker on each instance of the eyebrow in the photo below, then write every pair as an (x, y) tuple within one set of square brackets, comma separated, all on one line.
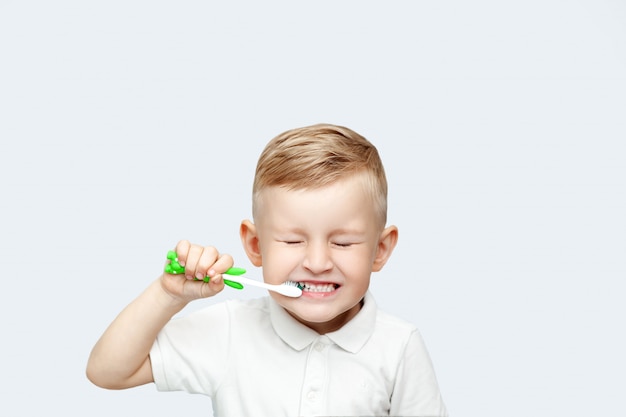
[(340, 231), (348, 232)]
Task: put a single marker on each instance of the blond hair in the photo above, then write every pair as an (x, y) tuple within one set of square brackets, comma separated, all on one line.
[(318, 155)]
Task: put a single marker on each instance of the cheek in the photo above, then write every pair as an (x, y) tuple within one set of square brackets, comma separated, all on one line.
[(277, 264), (356, 263)]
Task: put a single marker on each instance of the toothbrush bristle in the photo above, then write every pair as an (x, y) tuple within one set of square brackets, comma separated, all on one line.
[(294, 284)]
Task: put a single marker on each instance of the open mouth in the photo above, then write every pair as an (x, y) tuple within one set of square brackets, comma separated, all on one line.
[(318, 287)]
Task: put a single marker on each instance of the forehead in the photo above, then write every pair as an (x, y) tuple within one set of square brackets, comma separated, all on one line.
[(348, 201)]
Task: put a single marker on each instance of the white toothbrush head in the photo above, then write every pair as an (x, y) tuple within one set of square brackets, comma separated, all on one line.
[(289, 289)]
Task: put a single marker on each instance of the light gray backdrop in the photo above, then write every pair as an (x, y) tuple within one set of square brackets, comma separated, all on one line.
[(128, 125)]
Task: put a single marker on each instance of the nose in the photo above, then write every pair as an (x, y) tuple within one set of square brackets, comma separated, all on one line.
[(317, 258)]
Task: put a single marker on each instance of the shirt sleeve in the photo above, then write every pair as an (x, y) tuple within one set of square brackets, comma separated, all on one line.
[(191, 353), (416, 391)]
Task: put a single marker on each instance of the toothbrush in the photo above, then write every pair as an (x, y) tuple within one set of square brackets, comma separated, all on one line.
[(289, 288)]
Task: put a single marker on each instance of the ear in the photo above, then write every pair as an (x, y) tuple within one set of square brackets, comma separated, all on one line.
[(250, 241), (386, 244)]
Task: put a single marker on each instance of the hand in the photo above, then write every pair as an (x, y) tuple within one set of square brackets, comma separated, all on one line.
[(199, 262)]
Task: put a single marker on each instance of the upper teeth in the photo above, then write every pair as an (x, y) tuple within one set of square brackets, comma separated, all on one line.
[(317, 287)]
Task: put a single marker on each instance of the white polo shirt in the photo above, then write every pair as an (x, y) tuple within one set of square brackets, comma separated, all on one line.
[(253, 359)]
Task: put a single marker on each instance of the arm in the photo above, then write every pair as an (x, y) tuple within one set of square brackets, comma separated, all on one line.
[(120, 359)]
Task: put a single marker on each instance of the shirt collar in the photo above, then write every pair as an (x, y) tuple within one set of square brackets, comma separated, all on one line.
[(351, 337)]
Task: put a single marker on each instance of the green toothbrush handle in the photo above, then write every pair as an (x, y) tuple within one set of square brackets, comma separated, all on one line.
[(174, 268)]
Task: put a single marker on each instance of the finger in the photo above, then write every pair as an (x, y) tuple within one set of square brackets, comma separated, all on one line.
[(221, 265), (207, 258), (182, 248), (214, 286), (191, 262)]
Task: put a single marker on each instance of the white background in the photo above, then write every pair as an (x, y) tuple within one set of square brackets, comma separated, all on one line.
[(128, 125)]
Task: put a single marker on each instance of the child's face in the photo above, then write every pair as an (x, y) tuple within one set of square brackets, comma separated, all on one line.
[(329, 240)]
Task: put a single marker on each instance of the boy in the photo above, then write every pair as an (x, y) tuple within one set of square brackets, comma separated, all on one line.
[(319, 214)]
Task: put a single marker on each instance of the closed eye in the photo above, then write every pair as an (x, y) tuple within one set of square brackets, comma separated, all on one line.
[(342, 244)]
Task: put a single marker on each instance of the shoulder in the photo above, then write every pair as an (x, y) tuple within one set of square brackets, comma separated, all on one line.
[(223, 312), (234, 305), (246, 312), (395, 331), (394, 327), (255, 306), (390, 321)]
